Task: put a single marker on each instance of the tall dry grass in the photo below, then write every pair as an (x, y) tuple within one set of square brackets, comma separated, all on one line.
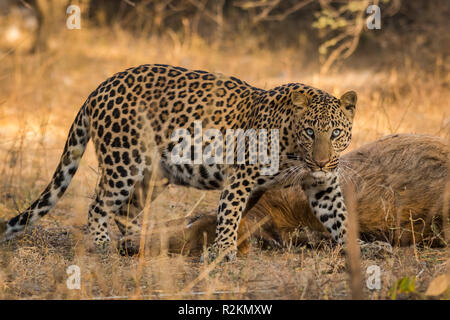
[(39, 97)]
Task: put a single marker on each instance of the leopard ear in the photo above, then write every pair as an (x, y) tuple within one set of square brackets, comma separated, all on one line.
[(300, 100), (348, 103)]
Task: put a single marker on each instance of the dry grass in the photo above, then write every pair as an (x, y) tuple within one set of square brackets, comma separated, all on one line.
[(39, 97)]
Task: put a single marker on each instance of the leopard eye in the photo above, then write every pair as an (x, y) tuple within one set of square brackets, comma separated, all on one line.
[(336, 133), (310, 132)]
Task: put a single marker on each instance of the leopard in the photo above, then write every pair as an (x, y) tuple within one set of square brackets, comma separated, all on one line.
[(133, 119)]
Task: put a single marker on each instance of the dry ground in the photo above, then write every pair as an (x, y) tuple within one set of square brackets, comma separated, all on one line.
[(39, 97)]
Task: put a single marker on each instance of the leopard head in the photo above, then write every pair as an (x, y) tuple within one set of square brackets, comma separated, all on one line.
[(323, 126)]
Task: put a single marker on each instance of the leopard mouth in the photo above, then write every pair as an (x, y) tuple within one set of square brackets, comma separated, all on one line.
[(317, 171), (330, 167)]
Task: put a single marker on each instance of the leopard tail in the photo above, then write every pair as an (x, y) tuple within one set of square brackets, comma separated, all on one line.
[(76, 142)]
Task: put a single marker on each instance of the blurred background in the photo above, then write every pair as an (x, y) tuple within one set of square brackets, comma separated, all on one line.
[(51, 59), (324, 31)]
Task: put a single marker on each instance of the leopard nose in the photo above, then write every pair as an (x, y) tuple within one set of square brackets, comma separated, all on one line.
[(322, 162)]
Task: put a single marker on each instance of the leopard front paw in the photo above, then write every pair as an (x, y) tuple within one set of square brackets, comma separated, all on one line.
[(340, 237), (127, 247), (99, 247), (219, 254)]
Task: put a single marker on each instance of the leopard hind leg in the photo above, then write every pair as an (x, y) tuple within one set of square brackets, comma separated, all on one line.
[(129, 217)]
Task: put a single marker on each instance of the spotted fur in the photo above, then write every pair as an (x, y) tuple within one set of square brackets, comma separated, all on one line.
[(131, 116)]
